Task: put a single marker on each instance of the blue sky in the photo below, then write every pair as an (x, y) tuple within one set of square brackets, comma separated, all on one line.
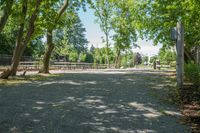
[(94, 35)]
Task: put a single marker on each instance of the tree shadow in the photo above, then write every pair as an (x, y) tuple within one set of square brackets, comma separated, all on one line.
[(109, 102)]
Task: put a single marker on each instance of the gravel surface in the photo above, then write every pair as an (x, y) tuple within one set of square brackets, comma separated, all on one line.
[(91, 102)]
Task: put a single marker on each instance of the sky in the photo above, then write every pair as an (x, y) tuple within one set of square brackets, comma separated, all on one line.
[(94, 35)]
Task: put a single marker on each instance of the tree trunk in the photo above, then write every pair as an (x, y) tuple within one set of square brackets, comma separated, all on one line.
[(6, 12), (19, 50), (50, 45), (47, 55), (107, 52), (117, 58), (21, 41)]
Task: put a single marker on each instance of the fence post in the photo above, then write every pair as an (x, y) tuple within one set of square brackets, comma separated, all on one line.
[(180, 55)]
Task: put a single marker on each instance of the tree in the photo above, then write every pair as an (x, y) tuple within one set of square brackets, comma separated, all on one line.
[(71, 38), (49, 35), (76, 36), (158, 17), (5, 8), (167, 56), (127, 59), (138, 59), (103, 10), (53, 22), (124, 24), (29, 10)]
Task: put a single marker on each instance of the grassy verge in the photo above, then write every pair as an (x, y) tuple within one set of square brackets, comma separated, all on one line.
[(16, 80)]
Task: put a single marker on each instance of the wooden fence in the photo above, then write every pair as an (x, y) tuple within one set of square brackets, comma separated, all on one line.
[(35, 65)]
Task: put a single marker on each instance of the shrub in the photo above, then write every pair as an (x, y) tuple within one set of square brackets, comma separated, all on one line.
[(192, 73)]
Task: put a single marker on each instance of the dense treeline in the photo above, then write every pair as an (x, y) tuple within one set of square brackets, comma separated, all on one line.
[(52, 28)]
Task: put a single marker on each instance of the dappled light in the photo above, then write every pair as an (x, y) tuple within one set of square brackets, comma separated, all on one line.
[(92, 102), (70, 82)]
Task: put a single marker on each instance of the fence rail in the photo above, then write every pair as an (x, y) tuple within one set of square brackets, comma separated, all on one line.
[(35, 65), (30, 63)]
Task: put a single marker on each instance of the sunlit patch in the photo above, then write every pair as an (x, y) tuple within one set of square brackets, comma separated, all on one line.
[(90, 82), (108, 111), (116, 129), (97, 119), (93, 101), (69, 82), (101, 107), (94, 97), (38, 108), (70, 98), (62, 102), (113, 72), (101, 128), (57, 105), (134, 115), (13, 130), (151, 115), (27, 114), (173, 113), (39, 102), (92, 123), (36, 120), (145, 131)]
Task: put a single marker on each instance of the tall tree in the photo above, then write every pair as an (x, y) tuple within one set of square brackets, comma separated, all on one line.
[(71, 38), (103, 10), (29, 10), (5, 8), (54, 22), (76, 36), (159, 16), (49, 36), (124, 24)]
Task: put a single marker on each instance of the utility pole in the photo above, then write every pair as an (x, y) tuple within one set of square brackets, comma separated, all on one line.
[(180, 55), (177, 35)]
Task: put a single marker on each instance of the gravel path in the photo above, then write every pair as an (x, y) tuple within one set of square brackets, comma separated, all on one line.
[(91, 102)]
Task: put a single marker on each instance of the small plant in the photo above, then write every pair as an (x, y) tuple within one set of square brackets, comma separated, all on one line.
[(192, 73)]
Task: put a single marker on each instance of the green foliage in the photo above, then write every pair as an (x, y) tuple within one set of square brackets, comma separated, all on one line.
[(137, 59), (158, 17), (89, 57), (167, 56), (7, 42), (145, 59), (153, 58), (71, 38), (73, 56), (127, 59), (82, 57), (192, 73)]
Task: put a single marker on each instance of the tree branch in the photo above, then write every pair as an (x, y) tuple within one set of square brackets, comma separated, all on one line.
[(62, 9), (6, 13), (32, 20)]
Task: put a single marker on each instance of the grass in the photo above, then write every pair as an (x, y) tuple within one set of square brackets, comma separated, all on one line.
[(16, 80)]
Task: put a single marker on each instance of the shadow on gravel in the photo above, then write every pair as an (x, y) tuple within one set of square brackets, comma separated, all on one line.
[(90, 103)]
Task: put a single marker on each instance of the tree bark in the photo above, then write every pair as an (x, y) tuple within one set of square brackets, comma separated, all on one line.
[(47, 55), (6, 13)]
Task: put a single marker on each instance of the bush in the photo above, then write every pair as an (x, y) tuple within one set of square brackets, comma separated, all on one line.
[(192, 73)]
